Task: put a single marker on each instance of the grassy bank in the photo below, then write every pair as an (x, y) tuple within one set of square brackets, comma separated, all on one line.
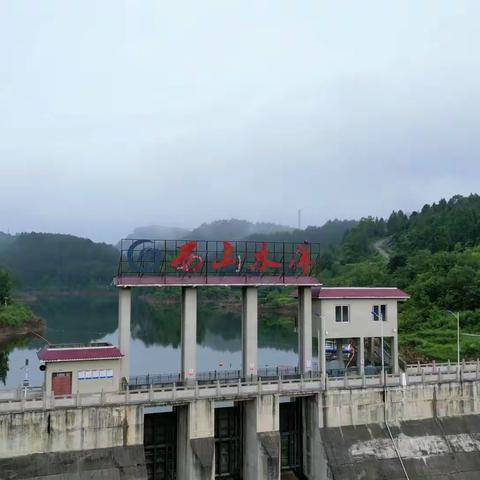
[(17, 320)]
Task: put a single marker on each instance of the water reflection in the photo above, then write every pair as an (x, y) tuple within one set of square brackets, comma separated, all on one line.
[(155, 335)]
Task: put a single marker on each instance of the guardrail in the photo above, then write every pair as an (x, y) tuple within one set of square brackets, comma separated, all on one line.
[(175, 394), (442, 367), (233, 376)]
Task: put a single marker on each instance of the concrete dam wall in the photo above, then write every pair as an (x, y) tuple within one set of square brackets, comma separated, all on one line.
[(420, 431), (433, 430), (80, 443)]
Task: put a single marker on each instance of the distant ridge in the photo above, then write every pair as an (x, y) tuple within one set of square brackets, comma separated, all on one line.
[(217, 230)]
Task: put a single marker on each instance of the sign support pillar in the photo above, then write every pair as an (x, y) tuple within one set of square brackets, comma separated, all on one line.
[(305, 329), (189, 333), (124, 317), (249, 331)]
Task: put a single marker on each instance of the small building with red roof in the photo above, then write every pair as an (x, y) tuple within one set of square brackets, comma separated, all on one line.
[(82, 368), (351, 322)]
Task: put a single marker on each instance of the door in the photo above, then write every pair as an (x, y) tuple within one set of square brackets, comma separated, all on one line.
[(61, 383)]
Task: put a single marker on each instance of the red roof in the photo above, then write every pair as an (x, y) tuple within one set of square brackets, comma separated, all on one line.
[(359, 292), (67, 354)]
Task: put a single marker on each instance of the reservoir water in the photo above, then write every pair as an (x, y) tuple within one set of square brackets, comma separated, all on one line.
[(155, 346)]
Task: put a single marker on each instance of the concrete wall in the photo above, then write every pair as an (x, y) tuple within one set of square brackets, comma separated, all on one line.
[(70, 429), (85, 386), (414, 402), (117, 463), (446, 448), (435, 430), (360, 324), (104, 443)]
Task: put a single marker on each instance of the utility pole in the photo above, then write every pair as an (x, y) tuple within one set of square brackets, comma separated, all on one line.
[(299, 218)]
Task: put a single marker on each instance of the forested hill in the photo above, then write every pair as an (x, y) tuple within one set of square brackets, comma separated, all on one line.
[(442, 226), (331, 233), (434, 254), (231, 229), (46, 260)]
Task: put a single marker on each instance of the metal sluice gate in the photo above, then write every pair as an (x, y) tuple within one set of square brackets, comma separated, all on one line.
[(229, 442), (160, 442), (291, 435), (160, 445)]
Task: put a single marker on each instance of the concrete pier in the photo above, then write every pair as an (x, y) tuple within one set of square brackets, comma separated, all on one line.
[(322, 360), (124, 318), (249, 331), (395, 354), (189, 333), (196, 444), (361, 355), (262, 438), (305, 329)]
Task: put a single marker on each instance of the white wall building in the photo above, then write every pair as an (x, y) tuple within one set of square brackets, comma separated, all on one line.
[(89, 368), (350, 323)]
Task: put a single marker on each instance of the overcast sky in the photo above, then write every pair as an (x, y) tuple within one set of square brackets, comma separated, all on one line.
[(116, 114)]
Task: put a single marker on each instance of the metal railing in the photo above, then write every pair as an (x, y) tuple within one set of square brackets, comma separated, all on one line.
[(164, 258), (36, 399), (233, 376)]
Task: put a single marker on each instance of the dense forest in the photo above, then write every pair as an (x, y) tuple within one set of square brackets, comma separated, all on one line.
[(433, 254), (45, 260)]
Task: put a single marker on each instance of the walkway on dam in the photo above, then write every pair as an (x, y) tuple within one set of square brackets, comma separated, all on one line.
[(233, 389)]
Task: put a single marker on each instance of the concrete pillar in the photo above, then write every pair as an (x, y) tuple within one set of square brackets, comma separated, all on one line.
[(395, 353), (196, 442), (322, 360), (315, 464), (361, 355), (305, 329), (189, 333), (124, 317), (249, 331), (261, 434)]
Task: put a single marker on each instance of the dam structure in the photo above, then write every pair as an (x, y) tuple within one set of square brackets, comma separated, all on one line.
[(353, 412)]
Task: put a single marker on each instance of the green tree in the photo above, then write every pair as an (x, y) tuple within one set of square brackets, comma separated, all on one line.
[(5, 286)]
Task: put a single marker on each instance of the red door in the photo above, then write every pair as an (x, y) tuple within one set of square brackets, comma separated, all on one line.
[(62, 383)]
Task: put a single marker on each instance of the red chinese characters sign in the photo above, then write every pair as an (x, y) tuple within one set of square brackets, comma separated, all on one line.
[(226, 258)]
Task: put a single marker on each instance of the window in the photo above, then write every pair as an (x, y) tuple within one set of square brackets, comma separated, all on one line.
[(342, 313), (379, 311)]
